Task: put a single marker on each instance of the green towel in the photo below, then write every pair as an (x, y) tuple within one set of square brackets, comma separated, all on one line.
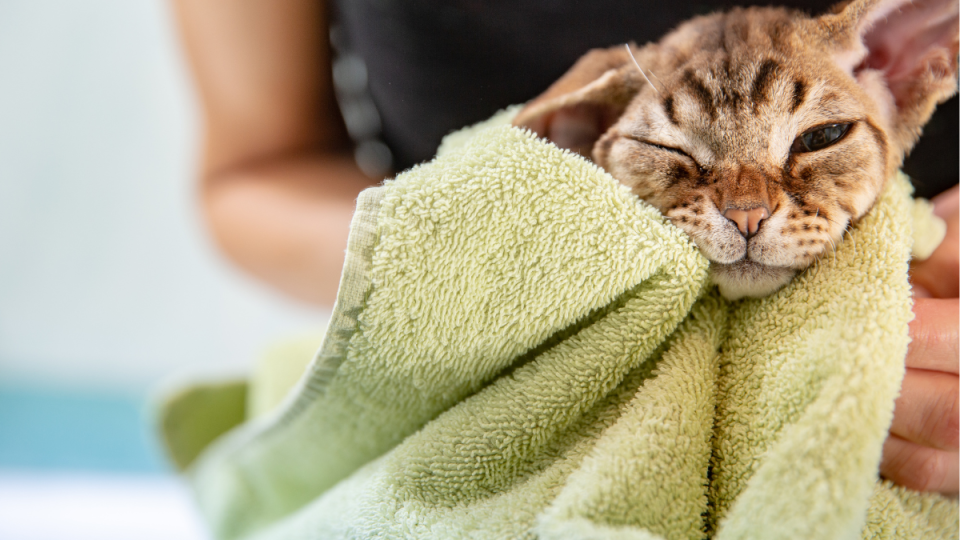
[(522, 349)]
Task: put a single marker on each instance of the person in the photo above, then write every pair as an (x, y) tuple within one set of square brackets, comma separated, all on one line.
[(280, 172)]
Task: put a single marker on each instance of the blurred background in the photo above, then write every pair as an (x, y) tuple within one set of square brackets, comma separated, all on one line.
[(109, 286)]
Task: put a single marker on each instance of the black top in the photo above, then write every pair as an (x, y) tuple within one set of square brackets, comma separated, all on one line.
[(433, 66)]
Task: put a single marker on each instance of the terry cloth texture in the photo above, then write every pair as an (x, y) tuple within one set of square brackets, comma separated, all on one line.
[(522, 349)]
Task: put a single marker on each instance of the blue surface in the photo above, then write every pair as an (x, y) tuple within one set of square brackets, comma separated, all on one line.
[(46, 428)]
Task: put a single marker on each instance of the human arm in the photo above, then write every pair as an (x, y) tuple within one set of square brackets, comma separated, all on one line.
[(921, 451), (278, 183)]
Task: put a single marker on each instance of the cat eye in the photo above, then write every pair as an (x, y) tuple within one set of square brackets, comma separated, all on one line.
[(819, 138), (677, 151)]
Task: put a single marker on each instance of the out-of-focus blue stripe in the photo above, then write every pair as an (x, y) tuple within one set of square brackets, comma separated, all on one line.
[(43, 428)]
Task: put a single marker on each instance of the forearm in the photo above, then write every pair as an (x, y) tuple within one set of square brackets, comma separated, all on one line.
[(278, 187), (286, 220)]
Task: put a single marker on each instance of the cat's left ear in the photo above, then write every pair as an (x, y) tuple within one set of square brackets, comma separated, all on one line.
[(902, 52)]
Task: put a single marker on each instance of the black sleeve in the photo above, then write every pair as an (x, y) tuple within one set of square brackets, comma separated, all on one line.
[(933, 164)]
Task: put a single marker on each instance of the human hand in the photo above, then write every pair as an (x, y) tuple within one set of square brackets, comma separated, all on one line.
[(921, 451)]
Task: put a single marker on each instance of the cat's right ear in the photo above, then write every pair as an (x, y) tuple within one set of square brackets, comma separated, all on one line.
[(903, 53), (577, 109)]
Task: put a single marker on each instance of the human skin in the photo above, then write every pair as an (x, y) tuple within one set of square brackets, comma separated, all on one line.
[(921, 451), (278, 181), (278, 185)]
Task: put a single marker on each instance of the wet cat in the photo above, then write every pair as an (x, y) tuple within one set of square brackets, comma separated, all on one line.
[(762, 132)]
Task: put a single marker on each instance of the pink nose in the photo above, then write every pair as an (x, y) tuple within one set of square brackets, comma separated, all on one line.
[(748, 221)]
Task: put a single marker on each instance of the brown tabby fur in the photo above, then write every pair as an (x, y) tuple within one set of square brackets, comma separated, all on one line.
[(709, 123)]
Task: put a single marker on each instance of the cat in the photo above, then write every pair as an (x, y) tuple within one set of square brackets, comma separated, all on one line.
[(763, 133)]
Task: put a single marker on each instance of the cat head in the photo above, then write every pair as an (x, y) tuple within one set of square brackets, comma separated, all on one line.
[(763, 133)]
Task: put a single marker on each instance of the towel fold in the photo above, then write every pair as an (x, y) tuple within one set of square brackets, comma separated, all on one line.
[(523, 349)]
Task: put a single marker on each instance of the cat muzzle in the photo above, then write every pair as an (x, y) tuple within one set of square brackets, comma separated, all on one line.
[(747, 221)]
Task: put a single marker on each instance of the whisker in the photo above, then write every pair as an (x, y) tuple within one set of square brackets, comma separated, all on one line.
[(834, 245), (657, 78), (831, 221), (634, 58)]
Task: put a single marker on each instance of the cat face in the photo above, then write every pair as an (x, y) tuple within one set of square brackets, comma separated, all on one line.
[(753, 145), (762, 133)]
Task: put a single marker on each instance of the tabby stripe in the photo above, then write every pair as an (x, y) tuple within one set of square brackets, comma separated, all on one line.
[(799, 94), (701, 92), (741, 30), (727, 69), (678, 173), (668, 108), (765, 75), (779, 32)]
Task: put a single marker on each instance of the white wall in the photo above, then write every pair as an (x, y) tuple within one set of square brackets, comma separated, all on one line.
[(106, 275)]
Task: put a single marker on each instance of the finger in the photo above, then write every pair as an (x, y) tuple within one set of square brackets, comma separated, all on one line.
[(947, 203), (927, 410), (940, 274), (935, 335), (919, 291), (918, 467)]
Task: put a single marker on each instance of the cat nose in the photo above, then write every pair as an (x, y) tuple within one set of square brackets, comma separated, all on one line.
[(748, 221)]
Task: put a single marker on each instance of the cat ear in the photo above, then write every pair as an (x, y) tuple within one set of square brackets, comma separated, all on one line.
[(577, 109), (903, 53)]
